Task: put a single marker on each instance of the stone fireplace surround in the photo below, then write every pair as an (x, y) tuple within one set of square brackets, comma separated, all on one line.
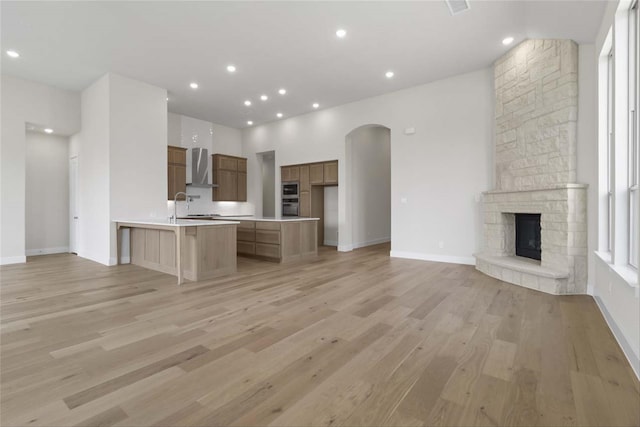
[(535, 159), (563, 224)]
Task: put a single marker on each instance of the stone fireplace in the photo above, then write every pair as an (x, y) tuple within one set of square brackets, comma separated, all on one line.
[(536, 89)]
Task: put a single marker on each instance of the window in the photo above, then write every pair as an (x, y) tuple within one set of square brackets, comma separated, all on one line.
[(610, 154), (633, 147)]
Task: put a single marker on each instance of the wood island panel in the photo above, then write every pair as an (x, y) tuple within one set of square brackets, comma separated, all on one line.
[(207, 251)]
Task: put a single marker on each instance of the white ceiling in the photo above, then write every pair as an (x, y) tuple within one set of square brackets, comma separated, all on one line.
[(273, 44)]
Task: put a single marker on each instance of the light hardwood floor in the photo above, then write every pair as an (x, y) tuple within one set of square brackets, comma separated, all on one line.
[(348, 339)]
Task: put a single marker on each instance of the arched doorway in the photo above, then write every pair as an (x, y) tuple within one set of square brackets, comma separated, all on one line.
[(368, 187)]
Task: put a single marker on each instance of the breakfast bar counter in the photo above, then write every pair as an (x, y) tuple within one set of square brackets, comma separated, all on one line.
[(195, 250)]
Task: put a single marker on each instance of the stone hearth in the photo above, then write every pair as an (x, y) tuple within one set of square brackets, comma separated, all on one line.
[(536, 87)]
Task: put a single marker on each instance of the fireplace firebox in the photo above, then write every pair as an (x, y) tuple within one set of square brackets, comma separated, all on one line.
[(528, 242)]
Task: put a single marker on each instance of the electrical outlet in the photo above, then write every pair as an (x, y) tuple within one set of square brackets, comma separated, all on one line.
[(441, 244)]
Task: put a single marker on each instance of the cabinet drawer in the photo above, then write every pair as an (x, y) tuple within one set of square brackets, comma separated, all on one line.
[(250, 225), (267, 250), (247, 235), (268, 236), (266, 225), (248, 248)]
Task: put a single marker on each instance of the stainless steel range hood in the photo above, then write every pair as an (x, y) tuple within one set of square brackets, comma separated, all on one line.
[(200, 168)]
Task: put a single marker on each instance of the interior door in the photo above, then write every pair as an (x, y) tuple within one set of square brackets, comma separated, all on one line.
[(74, 221)]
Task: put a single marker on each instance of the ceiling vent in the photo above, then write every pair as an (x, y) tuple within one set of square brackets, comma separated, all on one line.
[(457, 6)]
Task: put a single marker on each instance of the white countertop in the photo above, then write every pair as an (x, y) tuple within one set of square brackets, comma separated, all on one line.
[(260, 218), (179, 223)]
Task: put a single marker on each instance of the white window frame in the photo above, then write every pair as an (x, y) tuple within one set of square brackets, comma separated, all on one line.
[(632, 146)]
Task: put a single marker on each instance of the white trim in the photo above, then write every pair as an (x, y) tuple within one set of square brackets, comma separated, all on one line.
[(125, 260), (371, 242), (625, 273), (47, 251), (13, 260), (345, 248), (330, 243), (434, 257), (634, 360)]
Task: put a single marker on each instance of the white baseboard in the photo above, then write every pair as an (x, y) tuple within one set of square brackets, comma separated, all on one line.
[(125, 260), (47, 251), (330, 243), (633, 359), (96, 259), (371, 242), (352, 246), (434, 257), (13, 260)]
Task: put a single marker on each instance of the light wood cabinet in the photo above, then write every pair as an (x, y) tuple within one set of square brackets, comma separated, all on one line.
[(242, 187), (323, 173), (330, 173), (230, 176), (278, 241), (304, 204), (176, 172), (227, 189), (316, 174), (290, 173), (305, 184)]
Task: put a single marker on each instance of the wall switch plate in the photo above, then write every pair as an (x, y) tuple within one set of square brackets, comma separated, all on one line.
[(441, 244), (409, 131), (403, 200)]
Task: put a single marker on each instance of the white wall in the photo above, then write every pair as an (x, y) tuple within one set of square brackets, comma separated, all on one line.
[(370, 191), (330, 216), (440, 170), (188, 132), (137, 152), (24, 101), (122, 161), (47, 194), (93, 173), (587, 148)]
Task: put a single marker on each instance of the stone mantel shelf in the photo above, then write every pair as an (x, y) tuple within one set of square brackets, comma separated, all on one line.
[(523, 265), (552, 187)]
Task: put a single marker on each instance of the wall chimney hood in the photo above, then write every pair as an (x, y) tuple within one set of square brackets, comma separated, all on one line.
[(200, 168)]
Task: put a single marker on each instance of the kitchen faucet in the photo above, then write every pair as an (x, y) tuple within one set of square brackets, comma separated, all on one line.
[(188, 197)]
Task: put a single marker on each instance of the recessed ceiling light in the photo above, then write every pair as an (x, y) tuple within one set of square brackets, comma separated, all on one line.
[(48, 130), (231, 68), (341, 33), (167, 98), (13, 53), (282, 91), (389, 74), (193, 85), (507, 41), (264, 97), (247, 103), (249, 122), (279, 115), (316, 105)]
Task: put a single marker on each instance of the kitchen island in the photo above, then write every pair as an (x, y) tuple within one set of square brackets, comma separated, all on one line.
[(276, 239), (191, 249)]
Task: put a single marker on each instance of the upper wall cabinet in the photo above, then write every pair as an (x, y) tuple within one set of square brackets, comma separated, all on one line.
[(176, 172), (290, 173), (230, 174), (308, 174)]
